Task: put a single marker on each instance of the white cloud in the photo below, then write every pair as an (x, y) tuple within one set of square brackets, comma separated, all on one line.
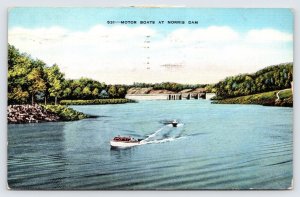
[(210, 34), (268, 36), (207, 54)]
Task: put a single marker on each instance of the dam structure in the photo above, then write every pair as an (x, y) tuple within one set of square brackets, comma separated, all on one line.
[(175, 96), (163, 94)]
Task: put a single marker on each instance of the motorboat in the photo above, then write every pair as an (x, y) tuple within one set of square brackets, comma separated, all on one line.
[(124, 142), (174, 123)]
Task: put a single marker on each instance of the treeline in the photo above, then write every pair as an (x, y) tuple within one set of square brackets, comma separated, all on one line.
[(268, 79), (96, 101), (176, 87), (88, 89), (31, 80)]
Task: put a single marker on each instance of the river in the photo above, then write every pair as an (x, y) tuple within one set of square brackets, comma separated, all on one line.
[(214, 147)]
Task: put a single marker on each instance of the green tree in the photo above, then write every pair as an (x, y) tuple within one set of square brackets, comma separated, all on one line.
[(17, 95), (95, 93), (121, 92), (77, 92), (55, 79), (67, 92), (37, 84), (86, 92), (112, 91), (19, 66)]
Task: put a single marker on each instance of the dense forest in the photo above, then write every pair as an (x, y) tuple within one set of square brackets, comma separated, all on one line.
[(271, 78), (31, 80)]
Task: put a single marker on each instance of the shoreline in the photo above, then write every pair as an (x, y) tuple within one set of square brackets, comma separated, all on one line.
[(97, 101), (266, 99), (25, 113)]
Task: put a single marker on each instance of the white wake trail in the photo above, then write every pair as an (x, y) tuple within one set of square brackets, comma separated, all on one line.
[(161, 141), (153, 134), (157, 141)]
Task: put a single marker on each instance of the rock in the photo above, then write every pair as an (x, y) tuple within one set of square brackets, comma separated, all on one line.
[(139, 90), (161, 92), (29, 114)]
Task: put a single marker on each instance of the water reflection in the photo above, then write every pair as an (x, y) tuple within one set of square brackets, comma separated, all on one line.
[(120, 153)]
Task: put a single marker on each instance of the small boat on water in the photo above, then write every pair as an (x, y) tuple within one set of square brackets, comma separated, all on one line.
[(124, 142), (174, 123)]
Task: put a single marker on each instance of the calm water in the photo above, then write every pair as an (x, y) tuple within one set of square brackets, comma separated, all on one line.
[(215, 147)]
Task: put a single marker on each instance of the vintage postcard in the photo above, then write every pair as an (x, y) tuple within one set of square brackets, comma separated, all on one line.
[(150, 99)]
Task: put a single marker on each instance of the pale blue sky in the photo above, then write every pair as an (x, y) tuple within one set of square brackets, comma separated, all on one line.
[(224, 42), (79, 19)]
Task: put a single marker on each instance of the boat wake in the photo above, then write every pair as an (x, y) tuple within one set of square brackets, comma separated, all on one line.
[(161, 137), (153, 134), (158, 141)]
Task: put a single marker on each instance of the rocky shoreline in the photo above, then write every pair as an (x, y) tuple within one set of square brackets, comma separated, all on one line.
[(17, 114), (21, 114)]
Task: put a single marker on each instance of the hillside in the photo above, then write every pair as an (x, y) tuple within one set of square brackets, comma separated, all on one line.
[(271, 78), (150, 90)]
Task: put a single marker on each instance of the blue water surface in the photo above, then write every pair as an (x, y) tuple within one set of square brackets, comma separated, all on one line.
[(214, 147)]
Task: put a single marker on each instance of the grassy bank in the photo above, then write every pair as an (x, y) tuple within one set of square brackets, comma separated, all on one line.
[(266, 98), (284, 94), (65, 113), (96, 101)]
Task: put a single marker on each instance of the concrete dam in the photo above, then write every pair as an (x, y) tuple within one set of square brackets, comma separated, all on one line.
[(176, 96)]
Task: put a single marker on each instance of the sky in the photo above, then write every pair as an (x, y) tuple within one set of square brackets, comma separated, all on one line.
[(219, 43)]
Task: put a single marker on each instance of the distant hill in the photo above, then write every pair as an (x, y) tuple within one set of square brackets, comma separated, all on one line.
[(151, 90), (271, 78)]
